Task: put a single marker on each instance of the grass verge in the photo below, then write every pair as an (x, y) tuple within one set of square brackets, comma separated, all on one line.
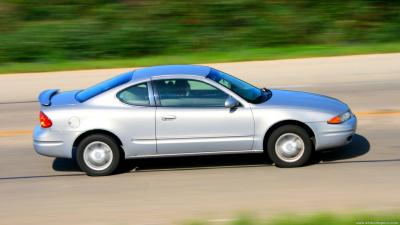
[(234, 55), (316, 219)]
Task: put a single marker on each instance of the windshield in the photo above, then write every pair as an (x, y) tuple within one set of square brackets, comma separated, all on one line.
[(245, 90), (103, 86)]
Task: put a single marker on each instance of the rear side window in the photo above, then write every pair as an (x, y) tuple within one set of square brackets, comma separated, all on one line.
[(135, 95)]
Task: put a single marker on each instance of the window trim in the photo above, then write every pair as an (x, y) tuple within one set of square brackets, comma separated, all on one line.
[(157, 95), (149, 94)]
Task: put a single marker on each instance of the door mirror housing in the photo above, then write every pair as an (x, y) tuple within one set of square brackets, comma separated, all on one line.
[(231, 103)]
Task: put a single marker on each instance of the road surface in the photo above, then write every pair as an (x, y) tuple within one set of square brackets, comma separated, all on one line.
[(361, 176)]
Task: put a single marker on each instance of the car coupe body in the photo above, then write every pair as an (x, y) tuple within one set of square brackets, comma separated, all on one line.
[(186, 110)]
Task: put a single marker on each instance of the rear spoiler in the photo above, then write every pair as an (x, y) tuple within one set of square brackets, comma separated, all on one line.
[(45, 96)]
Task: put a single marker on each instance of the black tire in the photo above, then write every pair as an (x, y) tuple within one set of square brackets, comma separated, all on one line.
[(288, 130), (100, 138)]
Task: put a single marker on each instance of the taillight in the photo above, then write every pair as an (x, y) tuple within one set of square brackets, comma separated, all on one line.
[(45, 122)]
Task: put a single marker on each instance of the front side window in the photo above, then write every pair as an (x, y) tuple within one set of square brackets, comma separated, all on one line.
[(189, 93), (135, 95)]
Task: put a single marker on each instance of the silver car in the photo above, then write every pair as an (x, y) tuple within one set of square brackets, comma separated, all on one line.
[(186, 110)]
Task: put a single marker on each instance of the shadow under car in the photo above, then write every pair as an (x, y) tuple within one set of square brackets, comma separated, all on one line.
[(359, 146)]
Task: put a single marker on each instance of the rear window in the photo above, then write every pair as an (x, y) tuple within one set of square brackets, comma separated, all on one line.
[(103, 86)]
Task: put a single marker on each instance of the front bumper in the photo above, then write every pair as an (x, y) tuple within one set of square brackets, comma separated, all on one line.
[(53, 143), (333, 135)]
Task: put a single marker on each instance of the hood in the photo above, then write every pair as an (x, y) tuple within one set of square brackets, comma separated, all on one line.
[(305, 100)]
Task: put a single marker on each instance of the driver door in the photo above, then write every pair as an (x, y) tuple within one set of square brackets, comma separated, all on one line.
[(191, 118)]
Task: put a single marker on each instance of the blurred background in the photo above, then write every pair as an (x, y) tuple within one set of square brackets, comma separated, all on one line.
[(51, 30), (355, 184)]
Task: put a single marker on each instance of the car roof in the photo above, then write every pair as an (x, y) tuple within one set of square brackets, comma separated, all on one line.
[(149, 72), (141, 74)]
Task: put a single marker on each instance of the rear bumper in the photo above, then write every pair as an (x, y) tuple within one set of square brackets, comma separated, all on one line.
[(50, 148), (333, 135), (53, 143)]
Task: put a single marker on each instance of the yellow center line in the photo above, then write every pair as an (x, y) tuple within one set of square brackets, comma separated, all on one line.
[(379, 113), (11, 133)]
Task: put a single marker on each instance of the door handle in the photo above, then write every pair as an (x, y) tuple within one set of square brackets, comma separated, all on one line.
[(168, 117)]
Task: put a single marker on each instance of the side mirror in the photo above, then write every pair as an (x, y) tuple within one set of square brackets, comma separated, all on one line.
[(231, 103)]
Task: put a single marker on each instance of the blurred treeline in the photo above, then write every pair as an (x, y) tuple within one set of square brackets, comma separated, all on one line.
[(40, 30)]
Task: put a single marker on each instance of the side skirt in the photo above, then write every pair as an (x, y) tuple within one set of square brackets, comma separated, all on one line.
[(196, 154)]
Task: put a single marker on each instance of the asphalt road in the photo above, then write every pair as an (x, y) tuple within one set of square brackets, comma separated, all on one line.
[(361, 176)]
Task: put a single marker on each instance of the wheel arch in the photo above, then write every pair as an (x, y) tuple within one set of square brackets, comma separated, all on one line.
[(288, 122), (97, 131)]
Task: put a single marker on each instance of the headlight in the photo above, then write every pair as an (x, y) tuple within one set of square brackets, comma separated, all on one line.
[(340, 118)]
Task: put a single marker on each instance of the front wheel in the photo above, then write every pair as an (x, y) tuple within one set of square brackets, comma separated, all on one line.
[(289, 146), (98, 155)]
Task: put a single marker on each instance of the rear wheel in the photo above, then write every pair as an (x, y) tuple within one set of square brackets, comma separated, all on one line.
[(289, 146), (98, 155)]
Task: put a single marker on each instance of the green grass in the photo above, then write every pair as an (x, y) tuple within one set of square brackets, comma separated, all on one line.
[(205, 57), (316, 219)]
